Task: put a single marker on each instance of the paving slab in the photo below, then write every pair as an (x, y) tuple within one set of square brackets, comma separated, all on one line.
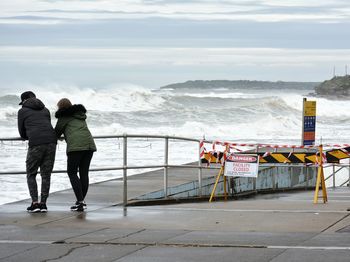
[(40, 253), (41, 233), (329, 239), (100, 253), (149, 236), (104, 235), (249, 239), (185, 218), (11, 249), (297, 255), (200, 254)]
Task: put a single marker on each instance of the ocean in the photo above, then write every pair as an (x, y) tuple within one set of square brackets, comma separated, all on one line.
[(257, 115)]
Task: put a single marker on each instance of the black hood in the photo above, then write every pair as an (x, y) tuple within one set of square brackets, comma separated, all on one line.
[(34, 103), (77, 111)]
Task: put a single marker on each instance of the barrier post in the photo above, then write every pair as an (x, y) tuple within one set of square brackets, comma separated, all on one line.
[(227, 150), (255, 179), (320, 179), (307, 177), (225, 187), (333, 176), (200, 170), (166, 162), (349, 174), (216, 183), (125, 175), (221, 173)]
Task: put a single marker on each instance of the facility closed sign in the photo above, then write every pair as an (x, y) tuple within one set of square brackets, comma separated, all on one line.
[(242, 165)]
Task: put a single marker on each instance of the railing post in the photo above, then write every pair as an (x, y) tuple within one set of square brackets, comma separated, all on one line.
[(333, 176), (349, 174), (273, 175), (166, 163), (125, 170), (200, 171)]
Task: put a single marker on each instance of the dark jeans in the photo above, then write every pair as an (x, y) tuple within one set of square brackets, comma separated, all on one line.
[(42, 156), (79, 160)]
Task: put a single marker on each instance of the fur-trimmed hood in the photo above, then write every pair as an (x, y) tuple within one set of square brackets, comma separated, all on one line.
[(76, 111)]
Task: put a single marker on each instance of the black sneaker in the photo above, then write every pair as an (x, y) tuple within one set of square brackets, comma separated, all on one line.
[(79, 206), (34, 208), (43, 208), (77, 203)]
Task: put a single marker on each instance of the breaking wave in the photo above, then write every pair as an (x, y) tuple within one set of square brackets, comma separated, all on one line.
[(237, 114)]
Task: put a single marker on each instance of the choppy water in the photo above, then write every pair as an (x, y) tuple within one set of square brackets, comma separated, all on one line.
[(259, 115)]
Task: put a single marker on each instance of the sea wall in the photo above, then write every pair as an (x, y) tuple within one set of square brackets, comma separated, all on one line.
[(270, 179)]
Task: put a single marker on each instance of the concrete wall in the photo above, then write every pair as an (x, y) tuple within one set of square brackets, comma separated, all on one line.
[(269, 179)]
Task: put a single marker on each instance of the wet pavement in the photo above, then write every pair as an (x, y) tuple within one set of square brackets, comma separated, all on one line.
[(278, 227)]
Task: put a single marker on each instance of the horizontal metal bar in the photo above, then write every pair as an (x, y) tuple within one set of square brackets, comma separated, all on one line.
[(114, 168), (335, 164), (11, 139), (121, 136), (142, 167), (162, 136), (120, 168), (129, 135)]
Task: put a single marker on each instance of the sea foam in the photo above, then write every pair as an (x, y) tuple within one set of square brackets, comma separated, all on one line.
[(259, 115)]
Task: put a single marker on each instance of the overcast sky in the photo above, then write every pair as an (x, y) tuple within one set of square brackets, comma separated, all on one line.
[(155, 42)]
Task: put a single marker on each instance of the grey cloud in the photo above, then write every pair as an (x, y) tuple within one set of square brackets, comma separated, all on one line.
[(265, 10), (179, 33), (261, 11), (57, 1)]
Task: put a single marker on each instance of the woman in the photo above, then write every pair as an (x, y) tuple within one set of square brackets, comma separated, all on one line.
[(80, 147)]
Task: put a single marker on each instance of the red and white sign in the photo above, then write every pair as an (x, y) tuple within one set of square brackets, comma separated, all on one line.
[(242, 165)]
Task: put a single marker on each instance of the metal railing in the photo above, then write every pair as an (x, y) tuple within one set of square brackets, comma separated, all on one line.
[(125, 167), (334, 172)]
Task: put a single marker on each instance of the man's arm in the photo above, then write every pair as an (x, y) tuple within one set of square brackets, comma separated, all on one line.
[(21, 127)]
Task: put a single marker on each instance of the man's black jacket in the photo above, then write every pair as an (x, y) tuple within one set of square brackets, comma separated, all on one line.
[(34, 123)]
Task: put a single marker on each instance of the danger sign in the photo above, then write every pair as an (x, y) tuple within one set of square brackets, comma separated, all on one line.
[(241, 165)]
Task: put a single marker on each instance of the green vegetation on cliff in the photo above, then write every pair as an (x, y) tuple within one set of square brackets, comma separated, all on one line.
[(241, 84), (338, 86)]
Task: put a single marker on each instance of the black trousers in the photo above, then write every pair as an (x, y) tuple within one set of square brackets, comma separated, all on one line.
[(79, 160), (42, 156)]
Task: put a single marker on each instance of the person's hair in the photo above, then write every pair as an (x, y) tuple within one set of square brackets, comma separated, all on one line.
[(64, 103)]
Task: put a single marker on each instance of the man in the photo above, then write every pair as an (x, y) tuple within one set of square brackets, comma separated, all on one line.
[(34, 125)]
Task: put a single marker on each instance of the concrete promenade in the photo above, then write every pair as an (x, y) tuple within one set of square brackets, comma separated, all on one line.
[(277, 227)]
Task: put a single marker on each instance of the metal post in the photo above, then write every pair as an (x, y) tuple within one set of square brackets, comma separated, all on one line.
[(255, 179), (199, 172), (333, 176), (125, 170), (274, 177), (166, 162), (349, 174)]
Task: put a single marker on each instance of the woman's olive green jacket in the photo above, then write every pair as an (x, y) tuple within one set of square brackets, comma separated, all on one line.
[(71, 122)]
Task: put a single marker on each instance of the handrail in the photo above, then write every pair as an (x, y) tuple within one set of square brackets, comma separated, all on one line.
[(120, 136), (165, 166), (11, 139), (116, 168), (125, 165), (331, 175), (334, 172)]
